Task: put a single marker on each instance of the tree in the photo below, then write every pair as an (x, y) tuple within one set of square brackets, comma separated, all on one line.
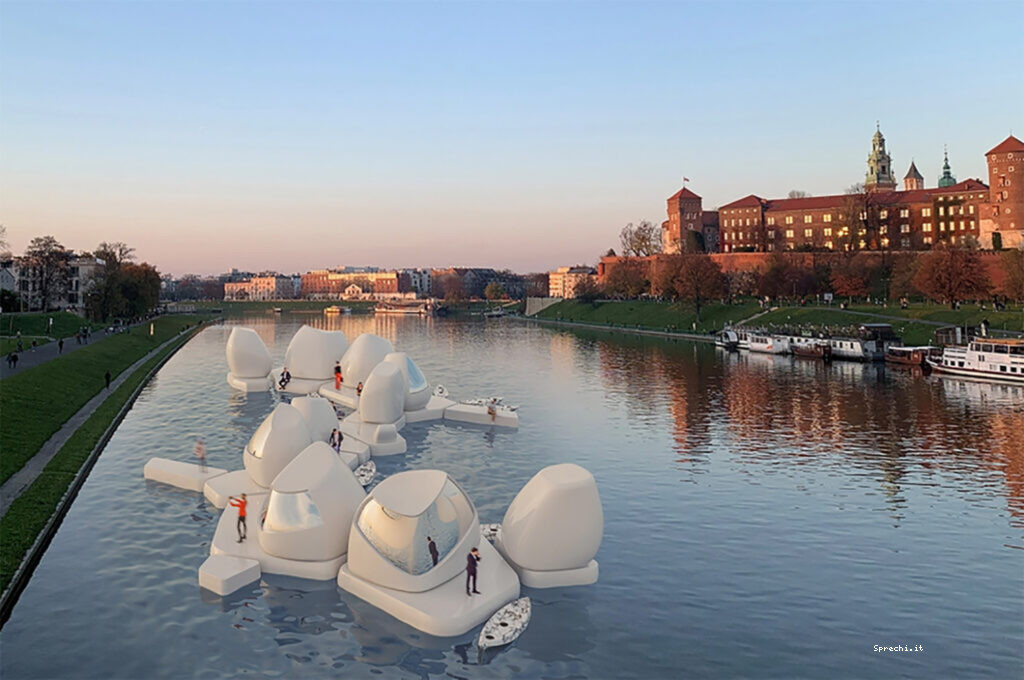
[(49, 262), (494, 291), (640, 240), (951, 273), (798, 193), (850, 277), (610, 252), (140, 288), (626, 279), (587, 289), (696, 278), (1013, 264)]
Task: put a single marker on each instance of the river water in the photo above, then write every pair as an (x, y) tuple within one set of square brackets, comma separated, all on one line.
[(764, 517)]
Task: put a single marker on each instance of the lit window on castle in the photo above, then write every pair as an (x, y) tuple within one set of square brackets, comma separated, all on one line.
[(828, 231), (789, 233), (928, 240), (789, 219), (808, 233), (885, 242), (827, 217), (807, 219), (884, 214), (926, 212), (904, 228), (927, 226)]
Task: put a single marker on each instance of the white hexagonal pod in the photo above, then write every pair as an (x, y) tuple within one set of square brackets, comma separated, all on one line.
[(554, 523), (417, 389), (312, 353), (247, 356), (362, 356), (383, 399), (311, 505), (388, 542), (319, 416), (276, 442)]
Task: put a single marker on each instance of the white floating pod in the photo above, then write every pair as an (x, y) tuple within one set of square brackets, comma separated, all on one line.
[(507, 624), (383, 398), (553, 528), (310, 508), (248, 360), (362, 356), (478, 415), (176, 473), (312, 353), (417, 389), (380, 439), (223, 574), (278, 439), (391, 564), (319, 416)]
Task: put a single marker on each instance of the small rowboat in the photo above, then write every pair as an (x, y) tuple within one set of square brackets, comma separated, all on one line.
[(366, 472), (490, 531), (506, 624)]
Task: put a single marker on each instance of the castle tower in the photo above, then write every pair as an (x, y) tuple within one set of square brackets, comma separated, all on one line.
[(1004, 211), (879, 177), (913, 179), (684, 215), (947, 179)]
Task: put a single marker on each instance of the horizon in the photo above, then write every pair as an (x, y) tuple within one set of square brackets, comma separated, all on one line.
[(518, 137)]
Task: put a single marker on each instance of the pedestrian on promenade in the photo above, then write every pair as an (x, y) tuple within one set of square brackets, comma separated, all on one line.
[(10, 360), (337, 375), (239, 503), (15, 359), (21, 347), (107, 376), (432, 547), (200, 451), (60, 346), (33, 344), (471, 559)]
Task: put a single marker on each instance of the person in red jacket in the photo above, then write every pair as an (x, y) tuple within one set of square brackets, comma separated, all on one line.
[(239, 503), (337, 375)]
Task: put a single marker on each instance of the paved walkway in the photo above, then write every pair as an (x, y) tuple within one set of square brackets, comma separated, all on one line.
[(24, 477), (40, 355)]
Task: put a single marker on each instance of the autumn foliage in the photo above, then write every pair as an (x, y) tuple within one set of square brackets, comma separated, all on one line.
[(951, 274)]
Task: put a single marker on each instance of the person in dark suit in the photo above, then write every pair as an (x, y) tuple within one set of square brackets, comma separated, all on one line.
[(471, 559), (432, 547)]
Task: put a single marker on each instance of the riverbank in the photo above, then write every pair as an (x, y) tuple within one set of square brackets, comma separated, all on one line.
[(35, 403), (33, 517), (916, 325)]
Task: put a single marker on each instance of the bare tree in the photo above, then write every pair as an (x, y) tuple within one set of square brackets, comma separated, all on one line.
[(798, 193), (641, 240), (695, 278), (48, 260), (951, 273)]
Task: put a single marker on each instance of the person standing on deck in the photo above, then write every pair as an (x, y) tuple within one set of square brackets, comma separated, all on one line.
[(337, 375), (432, 547), (471, 559), (239, 503)]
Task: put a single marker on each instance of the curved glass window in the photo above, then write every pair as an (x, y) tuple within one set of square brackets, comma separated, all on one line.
[(291, 512), (403, 540), (416, 380)]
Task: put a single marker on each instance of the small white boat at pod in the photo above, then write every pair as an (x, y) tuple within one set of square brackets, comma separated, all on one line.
[(390, 565), (248, 361), (553, 528), (381, 412), (483, 412), (301, 528), (310, 358), (360, 359), (507, 624)]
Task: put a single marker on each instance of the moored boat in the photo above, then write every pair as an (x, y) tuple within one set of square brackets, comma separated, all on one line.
[(727, 340), (816, 349), (994, 358), (911, 356), (769, 344), (332, 310)]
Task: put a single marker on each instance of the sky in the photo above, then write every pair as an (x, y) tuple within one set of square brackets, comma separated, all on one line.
[(303, 135)]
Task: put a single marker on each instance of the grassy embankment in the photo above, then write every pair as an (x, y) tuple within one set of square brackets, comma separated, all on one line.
[(29, 513), (35, 403), (656, 316), (37, 325), (660, 315)]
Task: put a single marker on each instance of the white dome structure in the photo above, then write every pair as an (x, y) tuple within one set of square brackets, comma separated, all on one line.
[(553, 528), (312, 353), (278, 439), (248, 360), (311, 505), (390, 563), (417, 389), (362, 356), (383, 399), (319, 416)]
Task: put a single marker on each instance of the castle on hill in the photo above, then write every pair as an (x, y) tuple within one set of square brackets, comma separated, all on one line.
[(881, 217)]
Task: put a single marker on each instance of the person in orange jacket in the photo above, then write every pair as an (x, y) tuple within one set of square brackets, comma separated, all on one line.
[(337, 375), (239, 503)]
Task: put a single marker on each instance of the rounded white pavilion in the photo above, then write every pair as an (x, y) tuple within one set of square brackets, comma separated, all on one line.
[(310, 358), (417, 389), (276, 442), (319, 416), (249, 360), (362, 356)]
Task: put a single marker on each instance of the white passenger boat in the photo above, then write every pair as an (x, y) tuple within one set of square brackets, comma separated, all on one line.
[(768, 344), (727, 340), (994, 358), (869, 344), (742, 339)]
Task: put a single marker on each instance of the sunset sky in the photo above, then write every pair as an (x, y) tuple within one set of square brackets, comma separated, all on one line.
[(305, 135)]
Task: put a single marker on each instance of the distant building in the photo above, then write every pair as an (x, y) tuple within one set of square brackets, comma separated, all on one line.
[(686, 216), (562, 282), (69, 296), (264, 287), (419, 280), (1003, 214), (330, 284)]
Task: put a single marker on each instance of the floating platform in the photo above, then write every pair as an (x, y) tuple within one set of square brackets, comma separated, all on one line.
[(224, 575), (249, 384), (301, 386), (225, 542), (361, 450), (478, 415), (383, 440), (182, 475), (446, 610), (234, 483), (434, 410), (346, 396)]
